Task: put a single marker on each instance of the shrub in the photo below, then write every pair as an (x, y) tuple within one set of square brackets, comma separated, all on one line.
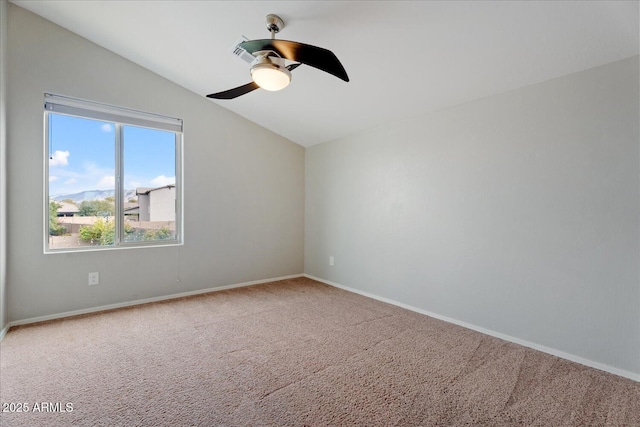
[(145, 235), (102, 232), (93, 233), (160, 234), (55, 228)]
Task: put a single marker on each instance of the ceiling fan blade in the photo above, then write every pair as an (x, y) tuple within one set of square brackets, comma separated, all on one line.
[(293, 66), (235, 92), (314, 56)]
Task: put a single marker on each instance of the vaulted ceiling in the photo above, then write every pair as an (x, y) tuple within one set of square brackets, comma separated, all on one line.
[(404, 58)]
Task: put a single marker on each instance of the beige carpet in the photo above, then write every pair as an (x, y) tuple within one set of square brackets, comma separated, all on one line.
[(295, 352)]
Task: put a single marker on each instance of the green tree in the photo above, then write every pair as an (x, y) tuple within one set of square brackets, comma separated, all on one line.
[(55, 228), (95, 207)]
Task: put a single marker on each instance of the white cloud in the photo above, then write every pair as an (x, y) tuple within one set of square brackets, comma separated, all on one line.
[(52, 178), (107, 182), (59, 158), (161, 181), (80, 178), (106, 127)]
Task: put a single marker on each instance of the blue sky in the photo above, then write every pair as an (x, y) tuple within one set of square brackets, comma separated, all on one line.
[(82, 155)]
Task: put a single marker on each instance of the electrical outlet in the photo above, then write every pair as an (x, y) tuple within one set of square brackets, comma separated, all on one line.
[(330, 260), (94, 279)]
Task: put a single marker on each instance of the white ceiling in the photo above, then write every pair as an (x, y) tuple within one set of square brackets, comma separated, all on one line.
[(403, 58)]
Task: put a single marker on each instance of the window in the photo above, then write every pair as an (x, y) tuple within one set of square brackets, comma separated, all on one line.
[(112, 176)]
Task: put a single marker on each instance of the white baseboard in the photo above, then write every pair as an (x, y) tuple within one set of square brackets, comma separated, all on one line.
[(542, 348), (138, 302)]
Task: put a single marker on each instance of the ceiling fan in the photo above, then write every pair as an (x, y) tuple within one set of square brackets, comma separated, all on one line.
[(268, 68)]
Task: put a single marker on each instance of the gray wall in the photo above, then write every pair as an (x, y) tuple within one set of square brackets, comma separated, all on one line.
[(3, 166), (243, 185), (518, 213)]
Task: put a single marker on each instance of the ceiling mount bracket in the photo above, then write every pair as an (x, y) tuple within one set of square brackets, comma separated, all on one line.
[(274, 24)]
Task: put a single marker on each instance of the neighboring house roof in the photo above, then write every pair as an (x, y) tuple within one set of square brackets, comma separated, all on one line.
[(67, 208), (132, 210), (145, 191), (142, 190)]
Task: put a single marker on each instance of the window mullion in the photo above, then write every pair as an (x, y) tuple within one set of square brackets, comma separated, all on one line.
[(119, 185)]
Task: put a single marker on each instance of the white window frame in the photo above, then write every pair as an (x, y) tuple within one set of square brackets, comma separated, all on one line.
[(120, 117)]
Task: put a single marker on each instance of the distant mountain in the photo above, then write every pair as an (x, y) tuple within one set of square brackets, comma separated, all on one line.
[(93, 195)]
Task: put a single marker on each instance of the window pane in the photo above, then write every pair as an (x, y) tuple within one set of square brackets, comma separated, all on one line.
[(81, 182), (149, 163)]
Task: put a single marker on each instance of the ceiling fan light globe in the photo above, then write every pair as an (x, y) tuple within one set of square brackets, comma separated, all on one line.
[(270, 76)]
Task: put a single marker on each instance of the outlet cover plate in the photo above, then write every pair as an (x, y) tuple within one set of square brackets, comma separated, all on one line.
[(94, 279)]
